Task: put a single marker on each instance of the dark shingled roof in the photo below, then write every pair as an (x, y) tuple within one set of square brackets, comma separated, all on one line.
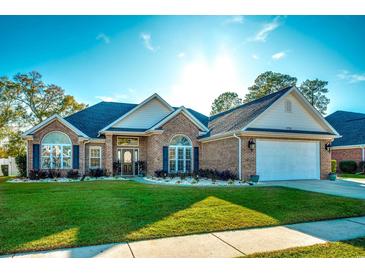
[(350, 125), (92, 119), (96, 117), (238, 117)]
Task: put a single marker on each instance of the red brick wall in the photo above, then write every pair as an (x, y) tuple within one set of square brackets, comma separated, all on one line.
[(339, 155), (180, 124)]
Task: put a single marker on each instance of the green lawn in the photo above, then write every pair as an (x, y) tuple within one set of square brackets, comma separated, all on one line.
[(38, 216), (349, 175), (346, 249)]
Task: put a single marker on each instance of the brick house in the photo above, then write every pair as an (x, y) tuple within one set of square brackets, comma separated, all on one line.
[(278, 137), (351, 126)]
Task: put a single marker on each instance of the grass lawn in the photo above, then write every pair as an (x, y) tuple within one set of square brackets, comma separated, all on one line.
[(38, 216), (349, 175), (346, 249)]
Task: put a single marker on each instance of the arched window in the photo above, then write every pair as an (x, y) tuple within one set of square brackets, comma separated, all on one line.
[(56, 151), (180, 154)]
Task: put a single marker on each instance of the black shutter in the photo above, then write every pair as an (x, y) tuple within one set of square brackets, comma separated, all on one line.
[(165, 158), (196, 159), (36, 156), (75, 157)]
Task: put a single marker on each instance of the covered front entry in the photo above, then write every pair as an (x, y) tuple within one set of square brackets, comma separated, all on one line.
[(128, 158), (287, 160)]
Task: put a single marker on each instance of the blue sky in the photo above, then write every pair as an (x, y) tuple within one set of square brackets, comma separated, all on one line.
[(188, 60)]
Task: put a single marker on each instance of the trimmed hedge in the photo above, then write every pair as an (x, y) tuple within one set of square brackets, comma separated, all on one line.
[(348, 166)]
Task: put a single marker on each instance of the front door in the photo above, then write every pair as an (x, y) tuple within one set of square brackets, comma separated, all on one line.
[(127, 161)]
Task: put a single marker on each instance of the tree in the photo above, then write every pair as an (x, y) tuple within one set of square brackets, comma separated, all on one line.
[(26, 101), (225, 101), (314, 91), (267, 83)]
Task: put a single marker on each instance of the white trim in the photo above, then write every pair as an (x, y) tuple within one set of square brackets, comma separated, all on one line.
[(347, 147), (288, 135), (187, 114), (50, 119), (305, 101), (153, 96), (100, 157)]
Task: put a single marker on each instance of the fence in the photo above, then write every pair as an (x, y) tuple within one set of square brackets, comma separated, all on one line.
[(10, 162)]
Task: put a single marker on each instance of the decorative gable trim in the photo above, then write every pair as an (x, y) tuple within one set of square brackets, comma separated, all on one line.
[(154, 96), (304, 101), (185, 112), (51, 119)]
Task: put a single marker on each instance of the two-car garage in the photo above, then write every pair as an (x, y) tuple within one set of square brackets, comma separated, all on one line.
[(287, 159)]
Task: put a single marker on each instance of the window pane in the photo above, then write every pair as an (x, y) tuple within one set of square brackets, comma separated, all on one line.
[(56, 161), (173, 166), (95, 152), (66, 162), (46, 150), (188, 166), (56, 151), (66, 152), (94, 162), (180, 141), (56, 138), (122, 141), (180, 165), (188, 153), (46, 162), (180, 153)]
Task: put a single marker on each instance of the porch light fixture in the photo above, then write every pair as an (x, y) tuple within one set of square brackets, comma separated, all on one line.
[(251, 144), (328, 147)]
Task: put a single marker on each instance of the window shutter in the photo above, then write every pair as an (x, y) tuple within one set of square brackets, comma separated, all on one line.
[(196, 158), (75, 157), (165, 158), (36, 156)]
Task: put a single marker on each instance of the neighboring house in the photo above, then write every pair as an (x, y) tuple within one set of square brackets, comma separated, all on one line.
[(278, 137), (351, 126), (11, 166)]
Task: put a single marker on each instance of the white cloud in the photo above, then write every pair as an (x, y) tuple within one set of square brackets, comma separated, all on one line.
[(201, 81), (278, 56), (351, 77), (255, 57), (128, 96), (147, 41), (237, 19), (266, 29), (181, 55), (103, 37)]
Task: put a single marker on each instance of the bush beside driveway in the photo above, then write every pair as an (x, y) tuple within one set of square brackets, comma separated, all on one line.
[(47, 216)]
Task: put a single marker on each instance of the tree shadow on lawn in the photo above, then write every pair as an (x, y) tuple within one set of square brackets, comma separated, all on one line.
[(48, 216)]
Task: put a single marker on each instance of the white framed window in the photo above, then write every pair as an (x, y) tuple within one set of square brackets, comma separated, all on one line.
[(94, 157), (128, 141), (56, 151), (288, 106), (180, 155)]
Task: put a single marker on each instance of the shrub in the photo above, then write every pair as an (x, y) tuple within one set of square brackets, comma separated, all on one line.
[(73, 174), (21, 163), (117, 168), (141, 167), (97, 172), (362, 166), (42, 174), (215, 174), (348, 166), (33, 175), (182, 176), (5, 170), (172, 175), (158, 173), (54, 173), (227, 175), (333, 166)]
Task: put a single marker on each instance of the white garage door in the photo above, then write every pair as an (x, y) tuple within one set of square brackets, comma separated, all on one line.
[(287, 160)]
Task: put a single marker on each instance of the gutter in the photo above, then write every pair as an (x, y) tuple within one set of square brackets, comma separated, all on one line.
[(239, 156)]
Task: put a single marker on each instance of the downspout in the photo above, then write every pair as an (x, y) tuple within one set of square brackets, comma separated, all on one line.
[(239, 156)]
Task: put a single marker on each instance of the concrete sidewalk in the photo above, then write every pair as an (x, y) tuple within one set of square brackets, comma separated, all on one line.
[(218, 244)]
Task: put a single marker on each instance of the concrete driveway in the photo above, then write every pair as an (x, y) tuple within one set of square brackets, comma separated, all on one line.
[(345, 188)]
